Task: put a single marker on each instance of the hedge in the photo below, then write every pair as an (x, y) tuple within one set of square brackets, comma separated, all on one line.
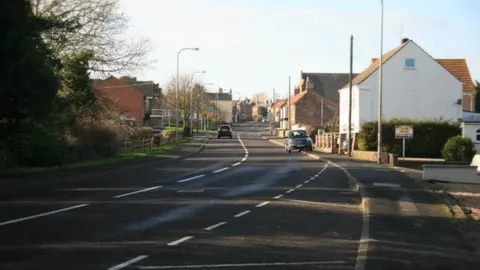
[(428, 140)]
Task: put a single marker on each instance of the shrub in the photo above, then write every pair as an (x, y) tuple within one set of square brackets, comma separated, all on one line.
[(428, 139), (186, 132), (38, 147), (7, 158), (94, 141), (458, 148)]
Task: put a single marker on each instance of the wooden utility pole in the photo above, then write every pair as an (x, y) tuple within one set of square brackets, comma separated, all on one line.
[(349, 139)]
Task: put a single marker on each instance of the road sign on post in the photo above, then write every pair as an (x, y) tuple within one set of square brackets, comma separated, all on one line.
[(403, 132)]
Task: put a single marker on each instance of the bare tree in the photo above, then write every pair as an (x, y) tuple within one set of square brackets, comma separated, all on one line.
[(189, 90), (101, 28)]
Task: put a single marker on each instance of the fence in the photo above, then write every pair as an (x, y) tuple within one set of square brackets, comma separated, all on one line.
[(145, 144)]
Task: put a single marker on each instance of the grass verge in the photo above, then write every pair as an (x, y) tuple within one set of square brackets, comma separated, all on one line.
[(104, 161)]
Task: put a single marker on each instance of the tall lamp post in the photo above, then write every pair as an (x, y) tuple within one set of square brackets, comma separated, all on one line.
[(380, 81), (191, 102), (178, 86)]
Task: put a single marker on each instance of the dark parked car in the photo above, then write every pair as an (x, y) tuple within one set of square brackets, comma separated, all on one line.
[(224, 131), (298, 140)]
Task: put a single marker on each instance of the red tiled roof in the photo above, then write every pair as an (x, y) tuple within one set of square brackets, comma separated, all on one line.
[(298, 97), (459, 69)]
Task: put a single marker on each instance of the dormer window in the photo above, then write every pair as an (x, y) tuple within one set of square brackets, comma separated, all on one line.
[(409, 63)]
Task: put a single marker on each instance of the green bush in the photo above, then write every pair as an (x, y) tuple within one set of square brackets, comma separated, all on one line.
[(458, 148), (186, 132), (38, 147), (94, 141), (428, 139), (7, 158)]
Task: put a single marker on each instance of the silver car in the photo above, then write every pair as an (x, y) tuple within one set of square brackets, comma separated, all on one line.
[(298, 140)]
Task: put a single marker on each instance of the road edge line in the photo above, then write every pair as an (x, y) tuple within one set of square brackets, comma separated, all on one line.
[(362, 252)]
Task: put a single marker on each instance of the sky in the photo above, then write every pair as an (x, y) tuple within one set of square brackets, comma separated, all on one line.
[(253, 46)]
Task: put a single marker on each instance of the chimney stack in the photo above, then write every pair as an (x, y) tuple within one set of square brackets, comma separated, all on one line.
[(405, 40)]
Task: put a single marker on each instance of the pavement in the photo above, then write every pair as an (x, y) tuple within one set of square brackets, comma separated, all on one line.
[(240, 203)]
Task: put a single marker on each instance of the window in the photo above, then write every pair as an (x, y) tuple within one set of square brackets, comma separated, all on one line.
[(477, 135), (409, 63), (297, 134)]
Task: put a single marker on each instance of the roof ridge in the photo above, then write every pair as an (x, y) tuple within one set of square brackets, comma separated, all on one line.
[(375, 65)]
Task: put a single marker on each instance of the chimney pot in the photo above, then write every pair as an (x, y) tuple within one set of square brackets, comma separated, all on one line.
[(405, 40)]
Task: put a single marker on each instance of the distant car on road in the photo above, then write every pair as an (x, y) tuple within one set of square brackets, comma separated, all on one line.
[(298, 140), (224, 131)]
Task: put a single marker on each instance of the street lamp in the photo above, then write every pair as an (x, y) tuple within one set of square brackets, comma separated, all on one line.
[(191, 103), (380, 81), (177, 84)]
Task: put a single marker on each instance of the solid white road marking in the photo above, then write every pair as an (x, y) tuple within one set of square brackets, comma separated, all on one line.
[(220, 170), (278, 197), (236, 164), (228, 265), (215, 226), (179, 241), (242, 213), (289, 191), (136, 192), (191, 178), (127, 263), (262, 204), (42, 214), (362, 252), (377, 184)]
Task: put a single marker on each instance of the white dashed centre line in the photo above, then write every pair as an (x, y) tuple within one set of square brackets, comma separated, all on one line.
[(42, 214), (191, 178), (306, 182), (242, 213), (289, 191), (179, 241), (136, 192), (127, 263), (244, 159), (278, 197), (220, 170), (262, 204), (215, 226), (236, 164), (299, 186), (391, 185)]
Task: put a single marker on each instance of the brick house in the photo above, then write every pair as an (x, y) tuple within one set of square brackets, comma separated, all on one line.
[(308, 108), (324, 84), (245, 107), (129, 100)]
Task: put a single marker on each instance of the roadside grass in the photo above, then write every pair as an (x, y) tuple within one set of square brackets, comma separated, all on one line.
[(104, 161)]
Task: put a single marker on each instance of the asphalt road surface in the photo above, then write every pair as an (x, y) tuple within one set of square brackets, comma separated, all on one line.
[(241, 203)]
